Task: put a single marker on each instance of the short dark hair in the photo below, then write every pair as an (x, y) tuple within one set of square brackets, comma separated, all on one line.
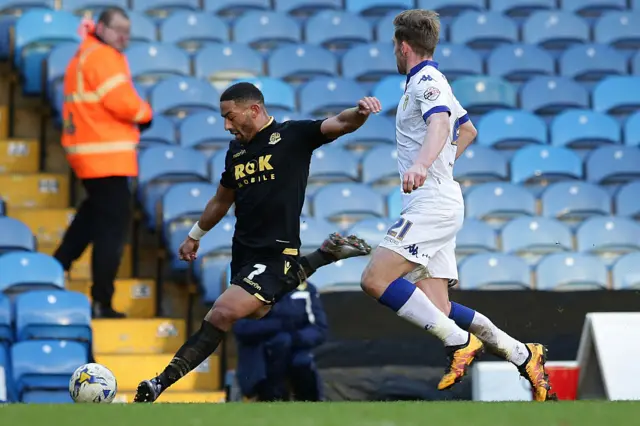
[(107, 14), (420, 29), (242, 92)]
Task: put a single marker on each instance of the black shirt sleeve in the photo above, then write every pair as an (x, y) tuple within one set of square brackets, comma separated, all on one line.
[(310, 133), (227, 179)]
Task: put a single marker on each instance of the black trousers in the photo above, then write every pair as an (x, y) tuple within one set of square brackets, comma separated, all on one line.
[(102, 219)]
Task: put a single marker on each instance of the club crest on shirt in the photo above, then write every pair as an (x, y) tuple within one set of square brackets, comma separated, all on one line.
[(274, 138), (406, 101), (431, 94)]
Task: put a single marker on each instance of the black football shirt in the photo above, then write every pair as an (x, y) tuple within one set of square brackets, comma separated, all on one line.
[(269, 175)]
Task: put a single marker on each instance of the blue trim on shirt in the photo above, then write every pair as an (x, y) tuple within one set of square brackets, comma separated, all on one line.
[(463, 119), (436, 109), (415, 70)]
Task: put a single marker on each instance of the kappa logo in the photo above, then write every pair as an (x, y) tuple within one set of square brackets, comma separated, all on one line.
[(274, 138), (426, 78), (432, 93)]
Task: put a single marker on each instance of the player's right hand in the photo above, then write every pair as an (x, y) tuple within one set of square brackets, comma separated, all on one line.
[(188, 249), (414, 178)]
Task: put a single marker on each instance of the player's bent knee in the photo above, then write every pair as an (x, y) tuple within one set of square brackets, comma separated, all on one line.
[(223, 317)]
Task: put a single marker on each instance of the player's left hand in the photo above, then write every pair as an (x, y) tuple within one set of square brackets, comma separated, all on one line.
[(414, 178), (188, 249), (368, 105)]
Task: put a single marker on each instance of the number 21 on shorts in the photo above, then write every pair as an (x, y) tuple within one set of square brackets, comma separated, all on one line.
[(399, 229)]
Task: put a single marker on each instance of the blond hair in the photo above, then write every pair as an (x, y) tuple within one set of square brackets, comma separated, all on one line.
[(420, 28)]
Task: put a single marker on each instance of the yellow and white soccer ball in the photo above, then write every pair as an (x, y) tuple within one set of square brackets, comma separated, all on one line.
[(93, 383)]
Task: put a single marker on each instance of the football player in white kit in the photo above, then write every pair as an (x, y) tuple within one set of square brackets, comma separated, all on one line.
[(432, 130)]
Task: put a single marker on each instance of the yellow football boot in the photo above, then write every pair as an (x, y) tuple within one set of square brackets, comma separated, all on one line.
[(460, 358), (533, 370)]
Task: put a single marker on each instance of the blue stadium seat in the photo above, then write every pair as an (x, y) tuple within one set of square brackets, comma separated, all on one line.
[(377, 130), (591, 62), (143, 29), (341, 275), (612, 95), (619, 29), (555, 29), (47, 397), (59, 315), (333, 164), (57, 63), (266, 29), (380, 166), (301, 62), (592, 7), (536, 163), (327, 95), (337, 29), (613, 164), (632, 130), (18, 7), (389, 91), (227, 62), (161, 132), (283, 116), (161, 166), (217, 166), (83, 7), (494, 271), (458, 60), (313, 232), (306, 7), (520, 8), (376, 7), (635, 64), (372, 230), (369, 62), (348, 201), (449, 8), (182, 96), (575, 200), (627, 200), (193, 30), (150, 62), (36, 32), (483, 30), (15, 235), (535, 236), (497, 200), (234, 8), (45, 364), (217, 241), (626, 275), (394, 203), (511, 129), (519, 62), (212, 271), (571, 271), (6, 380), (3, 208), (608, 235), (551, 95), (204, 131), (6, 321), (26, 271), (584, 129), (475, 236), (185, 200), (482, 94), (162, 8), (278, 95), (480, 164)]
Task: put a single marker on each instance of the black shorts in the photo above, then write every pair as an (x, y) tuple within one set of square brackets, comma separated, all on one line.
[(269, 277)]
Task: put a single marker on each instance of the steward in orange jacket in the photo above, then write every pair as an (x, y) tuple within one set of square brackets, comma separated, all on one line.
[(101, 112)]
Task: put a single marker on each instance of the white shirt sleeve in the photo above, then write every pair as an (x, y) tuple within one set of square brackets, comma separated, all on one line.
[(463, 116), (432, 98)]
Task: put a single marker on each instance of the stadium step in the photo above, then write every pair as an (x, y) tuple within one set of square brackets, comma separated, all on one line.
[(138, 336), (4, 121), (81, 269), (130, 370), (39, 190), (170, 396), (134, 297), (48, 225), (19, 155)]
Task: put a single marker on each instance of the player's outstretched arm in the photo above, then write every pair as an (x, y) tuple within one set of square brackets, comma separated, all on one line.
[(466, 137), (350, 119), (434, 141), (216, 209)]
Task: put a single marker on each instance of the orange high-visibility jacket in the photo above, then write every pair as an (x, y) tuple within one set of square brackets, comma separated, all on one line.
[(100, 113)]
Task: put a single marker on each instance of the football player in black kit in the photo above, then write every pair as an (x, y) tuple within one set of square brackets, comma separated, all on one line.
[(266, 172)]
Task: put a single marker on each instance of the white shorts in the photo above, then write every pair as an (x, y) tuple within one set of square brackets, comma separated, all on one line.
[(427, 238)]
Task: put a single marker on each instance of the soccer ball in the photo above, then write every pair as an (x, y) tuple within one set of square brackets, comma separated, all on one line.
[(93, 383)]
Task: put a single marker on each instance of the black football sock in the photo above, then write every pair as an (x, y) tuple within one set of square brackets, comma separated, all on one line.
[(315, 260), (195, 350)]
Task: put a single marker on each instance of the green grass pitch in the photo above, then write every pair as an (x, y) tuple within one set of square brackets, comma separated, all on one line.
[(582, 413)]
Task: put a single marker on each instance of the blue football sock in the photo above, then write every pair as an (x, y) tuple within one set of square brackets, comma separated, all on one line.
[(397, 294), (462, 315)]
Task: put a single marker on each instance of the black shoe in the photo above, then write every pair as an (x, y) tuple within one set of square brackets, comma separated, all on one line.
[(148, 391), (100, 311)]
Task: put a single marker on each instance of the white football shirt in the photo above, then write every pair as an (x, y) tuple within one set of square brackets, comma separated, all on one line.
[(428, 92)]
